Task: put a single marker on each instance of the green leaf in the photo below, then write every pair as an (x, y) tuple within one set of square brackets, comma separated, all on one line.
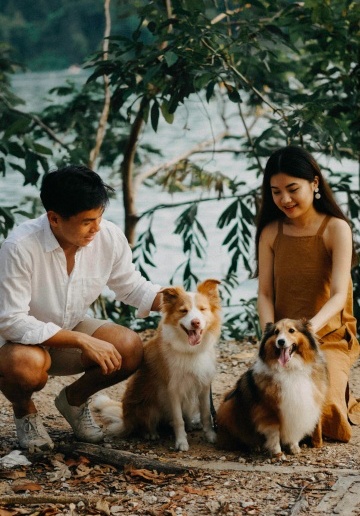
[(155, 113), (21, 125), (234, 96), (171, 58), (210, 90), (41, 149), (169, 117)]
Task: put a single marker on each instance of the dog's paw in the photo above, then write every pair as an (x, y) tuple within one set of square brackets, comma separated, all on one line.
[(181, 445), (193, 425), (152, 436), (277, 457), (211, 436), (294, 448)]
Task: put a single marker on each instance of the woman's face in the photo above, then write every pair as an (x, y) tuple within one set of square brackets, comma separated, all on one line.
[(292, 195)]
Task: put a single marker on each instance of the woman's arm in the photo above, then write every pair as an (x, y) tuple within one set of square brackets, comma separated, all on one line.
[(265, 302), (338, 241)]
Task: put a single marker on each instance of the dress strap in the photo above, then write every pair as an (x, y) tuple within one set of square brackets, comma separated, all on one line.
[(280, 227), (323, 225)]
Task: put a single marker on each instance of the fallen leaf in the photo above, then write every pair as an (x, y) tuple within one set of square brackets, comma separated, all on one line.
[(82, 470), (103, 506), (201, 492), (61, 471), (5, 512), (146, 474), (24, 485), (12, 474)]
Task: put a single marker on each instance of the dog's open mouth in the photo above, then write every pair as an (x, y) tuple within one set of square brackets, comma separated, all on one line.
[(194, 336), (286, 354)]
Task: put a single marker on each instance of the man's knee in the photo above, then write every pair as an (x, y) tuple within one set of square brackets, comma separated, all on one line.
[(25, 365), (136, 353), (127, 342), (130, 347)]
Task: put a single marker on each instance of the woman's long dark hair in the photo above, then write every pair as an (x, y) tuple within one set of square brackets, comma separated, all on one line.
[(295, 162)]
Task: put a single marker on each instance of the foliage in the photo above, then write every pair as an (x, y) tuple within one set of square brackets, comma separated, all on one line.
[(244, 323), (294, 65)]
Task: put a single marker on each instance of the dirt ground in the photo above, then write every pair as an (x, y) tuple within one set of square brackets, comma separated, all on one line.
[(211, 482)]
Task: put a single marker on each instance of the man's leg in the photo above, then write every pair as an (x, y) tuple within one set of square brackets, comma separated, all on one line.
[(72, 401), (130, 347), (23, 371)]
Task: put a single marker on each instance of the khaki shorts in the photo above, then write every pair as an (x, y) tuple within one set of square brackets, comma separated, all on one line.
[(67, 361)]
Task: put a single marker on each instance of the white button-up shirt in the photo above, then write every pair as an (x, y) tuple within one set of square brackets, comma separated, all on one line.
[(38, 297)]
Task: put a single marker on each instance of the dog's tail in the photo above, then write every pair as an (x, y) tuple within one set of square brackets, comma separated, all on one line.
[(111, 413)]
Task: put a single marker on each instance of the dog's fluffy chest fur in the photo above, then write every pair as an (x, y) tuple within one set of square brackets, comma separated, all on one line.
[(296, 393), (197, 365)]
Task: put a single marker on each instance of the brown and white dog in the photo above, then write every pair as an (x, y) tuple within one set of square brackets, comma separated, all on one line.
[(279, 400), (173, 383)]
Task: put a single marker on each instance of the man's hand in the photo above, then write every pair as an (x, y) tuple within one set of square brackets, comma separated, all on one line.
[(102, 353)]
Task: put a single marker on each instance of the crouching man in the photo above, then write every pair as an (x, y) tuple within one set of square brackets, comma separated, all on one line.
[(51, 269)]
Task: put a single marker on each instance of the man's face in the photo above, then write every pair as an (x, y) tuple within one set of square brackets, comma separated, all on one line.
[(78, 230)]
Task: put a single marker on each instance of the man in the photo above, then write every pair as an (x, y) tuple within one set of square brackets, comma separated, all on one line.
[(51, 269)]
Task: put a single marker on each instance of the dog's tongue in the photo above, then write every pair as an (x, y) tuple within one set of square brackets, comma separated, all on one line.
[(284, 356), (194, 337)]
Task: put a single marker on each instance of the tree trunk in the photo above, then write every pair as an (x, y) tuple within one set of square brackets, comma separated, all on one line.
[(127, 174)]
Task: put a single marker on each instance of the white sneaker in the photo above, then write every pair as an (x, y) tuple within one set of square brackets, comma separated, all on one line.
[(80, 419), (32, 434)]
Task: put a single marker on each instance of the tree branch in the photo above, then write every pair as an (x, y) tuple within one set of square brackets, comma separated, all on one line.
[(120, 458), (198, 148), (107, 94), (37, 121)]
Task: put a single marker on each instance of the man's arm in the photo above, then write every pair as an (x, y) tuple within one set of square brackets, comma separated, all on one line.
[(157, 303)]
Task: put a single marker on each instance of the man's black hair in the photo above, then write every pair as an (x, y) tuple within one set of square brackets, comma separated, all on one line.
[(73, 189)]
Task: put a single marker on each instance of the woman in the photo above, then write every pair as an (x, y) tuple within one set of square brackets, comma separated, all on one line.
[(304, 255)]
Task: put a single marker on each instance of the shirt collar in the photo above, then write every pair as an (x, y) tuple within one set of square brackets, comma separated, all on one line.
[(50, 242)]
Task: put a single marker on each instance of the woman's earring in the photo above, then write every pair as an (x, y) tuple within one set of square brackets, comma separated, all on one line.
[(317, 193)]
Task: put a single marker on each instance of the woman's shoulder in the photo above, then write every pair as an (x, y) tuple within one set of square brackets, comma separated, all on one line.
[(270, 232), (337, 232), (338, 225)]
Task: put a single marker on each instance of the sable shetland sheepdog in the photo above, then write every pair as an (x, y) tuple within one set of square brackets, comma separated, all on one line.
[(279, 400), (173, 382)]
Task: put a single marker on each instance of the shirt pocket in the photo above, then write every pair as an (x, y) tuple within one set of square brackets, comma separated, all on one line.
[(91, 289)]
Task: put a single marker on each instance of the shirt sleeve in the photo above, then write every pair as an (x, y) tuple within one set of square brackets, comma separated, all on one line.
[(16, 325), (127, 283)]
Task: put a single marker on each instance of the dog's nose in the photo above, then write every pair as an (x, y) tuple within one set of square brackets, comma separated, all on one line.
[(280, 342), (195, 323)]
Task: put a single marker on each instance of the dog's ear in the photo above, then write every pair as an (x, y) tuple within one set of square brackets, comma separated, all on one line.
[(169, 294), (210, 289), (267, 333), (306, 328), (304, 325), (269, 328)]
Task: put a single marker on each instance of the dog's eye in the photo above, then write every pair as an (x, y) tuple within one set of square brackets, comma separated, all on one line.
[(291, 330), (202, 308), (276, 332), (184, 310)]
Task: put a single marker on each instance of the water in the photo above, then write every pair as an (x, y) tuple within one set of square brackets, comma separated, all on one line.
[(173, 140)]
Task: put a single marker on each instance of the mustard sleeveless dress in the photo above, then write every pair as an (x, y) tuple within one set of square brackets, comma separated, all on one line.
[(302, 272)]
